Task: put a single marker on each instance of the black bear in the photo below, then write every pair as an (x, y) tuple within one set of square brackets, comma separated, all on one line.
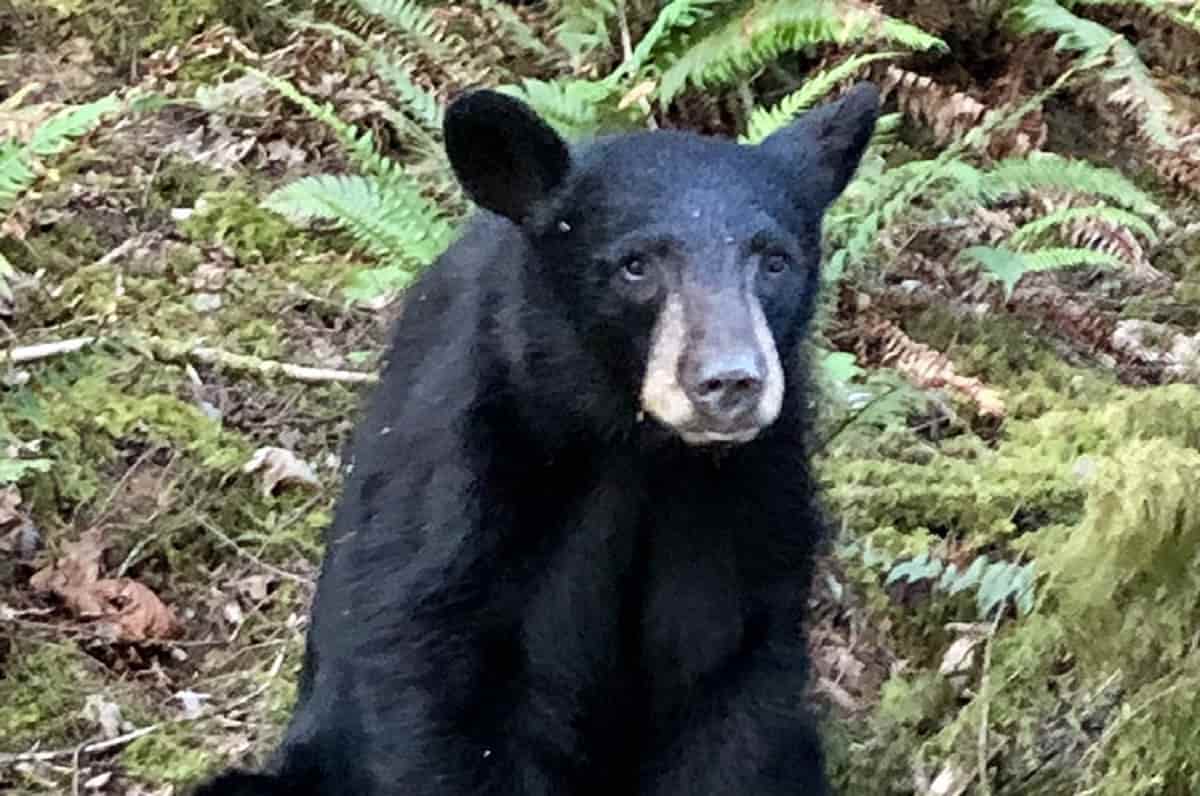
[(575, 543)]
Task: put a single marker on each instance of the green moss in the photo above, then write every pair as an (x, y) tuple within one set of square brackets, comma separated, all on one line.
[(1034, 477), (124, 31), (59, 250), (233, 217), (875, 756), (1127, 574), (170, 755), (43, 689), (180, 182)]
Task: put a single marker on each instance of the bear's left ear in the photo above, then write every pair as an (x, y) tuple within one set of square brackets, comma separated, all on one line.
[(505, 157), (827, 142)]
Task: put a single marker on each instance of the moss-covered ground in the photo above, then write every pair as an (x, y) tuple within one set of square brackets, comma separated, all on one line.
[(1077, 516)]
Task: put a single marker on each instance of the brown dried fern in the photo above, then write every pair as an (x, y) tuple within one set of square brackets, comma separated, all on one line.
[(883, 343), (951, 114), (1178, 166), (1101, 235), (1125, 111)]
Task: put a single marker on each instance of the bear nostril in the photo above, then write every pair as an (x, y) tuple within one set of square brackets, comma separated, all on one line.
[(727, 395), (746, 384)]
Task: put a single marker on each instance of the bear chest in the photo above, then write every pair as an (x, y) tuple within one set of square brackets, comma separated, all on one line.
[(637, 604)]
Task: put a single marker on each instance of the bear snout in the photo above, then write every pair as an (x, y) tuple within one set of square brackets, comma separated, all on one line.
[(713, 374)]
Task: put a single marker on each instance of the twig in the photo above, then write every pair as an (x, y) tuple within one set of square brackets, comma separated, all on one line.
[(75, 768), (627, 53), (163, 349), (32, 353), (985, 785), (87, 748), (172, 350), (283, 573)]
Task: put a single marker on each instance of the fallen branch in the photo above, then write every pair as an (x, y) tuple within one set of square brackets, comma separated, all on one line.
[(87, 748), (173, 350), (33, 353)]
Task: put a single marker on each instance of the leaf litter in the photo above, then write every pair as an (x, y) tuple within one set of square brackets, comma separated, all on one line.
[(121, 609)]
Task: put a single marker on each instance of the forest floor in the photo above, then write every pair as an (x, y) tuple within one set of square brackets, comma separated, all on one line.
[(182, 491)]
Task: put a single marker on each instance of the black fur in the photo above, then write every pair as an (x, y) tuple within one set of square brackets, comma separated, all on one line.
[(529, 589)]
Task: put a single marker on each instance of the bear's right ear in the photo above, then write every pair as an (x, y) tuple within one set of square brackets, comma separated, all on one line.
[(504, 155), (827, 142)]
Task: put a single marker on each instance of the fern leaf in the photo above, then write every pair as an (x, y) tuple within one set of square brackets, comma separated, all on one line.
[(1090, 39), (1173, 11), (399, 225), (423, 106), (1008, 266), (416, 23), (515, 29), (1044, 170), (676, 14), (359, 145), (60, 130), (743, 44), (16, 173), (583, 27), (764, 121), (1035, 229), (51, 138), (921, 567), (570, 106)]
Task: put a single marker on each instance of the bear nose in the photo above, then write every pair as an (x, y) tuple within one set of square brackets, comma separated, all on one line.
[(728, 388)]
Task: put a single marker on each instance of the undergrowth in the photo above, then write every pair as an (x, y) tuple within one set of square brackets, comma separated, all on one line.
[(1055, 542)]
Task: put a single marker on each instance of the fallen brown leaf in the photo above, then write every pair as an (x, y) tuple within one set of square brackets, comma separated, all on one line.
[(134, 613), (78, 566), (125, 610)]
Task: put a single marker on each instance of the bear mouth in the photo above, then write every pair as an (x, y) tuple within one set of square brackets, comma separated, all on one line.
[(700, 436)]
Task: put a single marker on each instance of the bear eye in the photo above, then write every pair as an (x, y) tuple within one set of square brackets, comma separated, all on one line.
[(633, 268), (776, 262)]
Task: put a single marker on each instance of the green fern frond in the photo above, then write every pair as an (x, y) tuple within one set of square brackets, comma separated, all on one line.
[(887, 130), (584, 27), (416, 23), (1090, 38), (764, 121), (1034, 230), (572, 107), (1008, 266), (59, 131), (871, 203), (359, 145), (52, 137), (675, 15), (514, 29), (742, 44), (1053, 259), (1189, 19), (398, 225), (1044, 170), (16, 172), (423, 106)]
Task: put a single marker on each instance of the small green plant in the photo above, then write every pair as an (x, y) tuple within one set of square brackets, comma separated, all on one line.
[(995, 583), (384, 208), (21, 163)]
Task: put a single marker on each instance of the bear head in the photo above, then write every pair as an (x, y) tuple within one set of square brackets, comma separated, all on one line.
[(687, 265)]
